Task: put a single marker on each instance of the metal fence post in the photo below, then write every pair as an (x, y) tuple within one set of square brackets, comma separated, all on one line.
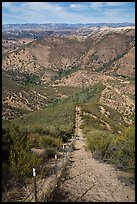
[(35, 186), (56, 165)]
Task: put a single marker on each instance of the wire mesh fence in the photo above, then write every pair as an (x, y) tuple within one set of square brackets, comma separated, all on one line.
[(39, 188)]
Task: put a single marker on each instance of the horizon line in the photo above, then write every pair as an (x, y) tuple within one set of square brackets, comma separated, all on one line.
[(68, 23)]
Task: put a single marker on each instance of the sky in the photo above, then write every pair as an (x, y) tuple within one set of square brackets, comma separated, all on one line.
[(67, 12)]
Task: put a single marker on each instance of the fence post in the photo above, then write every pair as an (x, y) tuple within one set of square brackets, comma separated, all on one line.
[(74, 142), (35, 186), (67, 154), (63, 156), (56, 165)]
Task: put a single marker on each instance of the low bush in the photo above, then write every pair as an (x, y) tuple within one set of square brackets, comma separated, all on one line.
[(122, 149), (48, 141), (17, 155), (50, 152), (115, 149), (98, 142), (31, 79)]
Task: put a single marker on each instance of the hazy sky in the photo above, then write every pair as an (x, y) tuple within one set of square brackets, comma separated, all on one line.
[(68, 12)]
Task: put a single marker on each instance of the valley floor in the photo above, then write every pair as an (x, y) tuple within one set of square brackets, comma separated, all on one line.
[(88, 180)]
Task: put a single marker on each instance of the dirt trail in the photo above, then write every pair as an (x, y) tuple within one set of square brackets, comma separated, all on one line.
[(88, 180)]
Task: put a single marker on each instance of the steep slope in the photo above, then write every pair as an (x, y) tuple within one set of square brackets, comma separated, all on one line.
[(19, 99), (111, 47), (125, 66), (81, 78), (44, 57), (55, 67), (118, 94)]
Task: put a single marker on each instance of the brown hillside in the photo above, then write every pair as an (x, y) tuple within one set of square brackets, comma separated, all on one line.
[(108, 49), (125, 66), (67, 64)]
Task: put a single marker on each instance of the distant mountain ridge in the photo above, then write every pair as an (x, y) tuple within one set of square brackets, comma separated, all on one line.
[(58, 26)]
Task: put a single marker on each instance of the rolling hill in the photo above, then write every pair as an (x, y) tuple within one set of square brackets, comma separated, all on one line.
[(52, 68)]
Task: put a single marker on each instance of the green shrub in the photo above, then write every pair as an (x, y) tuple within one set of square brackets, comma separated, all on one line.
[(98, 142), (45, 141), (56, 121), (48, 141), (31, 79), (19, 159), (122, 150), (65, 72), (57, 142), (115, 149), (50, 152)]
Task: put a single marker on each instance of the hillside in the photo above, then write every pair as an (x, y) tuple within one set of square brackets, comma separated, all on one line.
[(44, 57), (125, 66), (109, 49), (39, 71)]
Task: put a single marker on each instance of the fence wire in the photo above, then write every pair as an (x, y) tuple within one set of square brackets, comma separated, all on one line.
[(44, 186)]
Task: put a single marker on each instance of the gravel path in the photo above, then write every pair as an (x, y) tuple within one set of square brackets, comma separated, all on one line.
[(88, 180)]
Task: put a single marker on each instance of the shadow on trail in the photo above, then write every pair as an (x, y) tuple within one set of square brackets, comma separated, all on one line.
[(75, 176), (60, 196), (128, 181), (76, 149)]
